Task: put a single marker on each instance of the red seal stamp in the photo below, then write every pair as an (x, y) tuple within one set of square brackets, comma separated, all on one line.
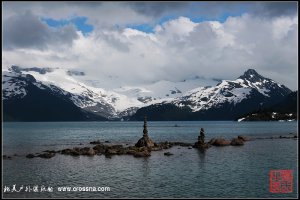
[(281, 181)]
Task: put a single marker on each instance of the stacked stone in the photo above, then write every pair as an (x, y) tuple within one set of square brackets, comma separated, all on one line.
[(145, 141), (201, 141)]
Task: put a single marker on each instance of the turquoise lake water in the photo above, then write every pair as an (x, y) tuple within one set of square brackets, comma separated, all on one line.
[(219, 172)]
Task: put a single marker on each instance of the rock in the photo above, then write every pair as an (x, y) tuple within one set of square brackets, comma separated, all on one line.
[(189, 147), (118, 146), (219, 142), (71, 152), (50, 151), (87, 151), (107, 141), (142, 154), (168, 154), (244, 138), (107, 156), (295, 136), (46, 155), (237, 142), (30, 156), (6, 157), (201, 146), (100, 148), (96, 142), (111, 152), (144, 142), (131, 152), (156, 148), (212, 141)]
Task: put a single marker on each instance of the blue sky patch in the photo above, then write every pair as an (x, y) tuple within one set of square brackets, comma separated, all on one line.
[(79, 22)]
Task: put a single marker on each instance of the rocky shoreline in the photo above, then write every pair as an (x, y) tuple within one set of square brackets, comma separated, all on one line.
[(102, 148), (145, 146)]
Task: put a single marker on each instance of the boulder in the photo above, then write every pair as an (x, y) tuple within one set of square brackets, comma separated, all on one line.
[(237, 142), (145, 142), (219, 142)]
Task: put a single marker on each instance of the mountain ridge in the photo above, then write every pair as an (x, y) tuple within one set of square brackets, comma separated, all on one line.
[(224, 101)]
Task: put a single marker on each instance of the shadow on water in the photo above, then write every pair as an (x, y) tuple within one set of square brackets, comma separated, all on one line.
[(146, 168), (201, 153)]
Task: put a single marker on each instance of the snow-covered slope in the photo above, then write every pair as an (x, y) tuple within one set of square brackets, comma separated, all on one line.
[(233, 92), (126, 100)]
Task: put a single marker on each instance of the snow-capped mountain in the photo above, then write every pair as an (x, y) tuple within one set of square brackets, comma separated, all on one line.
[(225, 101), (232, 92), (185, 98)]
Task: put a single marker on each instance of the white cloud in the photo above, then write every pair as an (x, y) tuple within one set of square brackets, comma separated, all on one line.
[(178, 49)]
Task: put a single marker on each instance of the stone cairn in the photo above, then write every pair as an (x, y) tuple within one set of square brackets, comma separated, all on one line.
[(201, 141), (145, 141)]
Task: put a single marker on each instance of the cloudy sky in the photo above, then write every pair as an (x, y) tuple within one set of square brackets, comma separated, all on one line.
[(147, 42)]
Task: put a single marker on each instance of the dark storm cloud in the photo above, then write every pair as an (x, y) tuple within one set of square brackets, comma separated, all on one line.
[(28, 31), (274, 9), (157, 9)]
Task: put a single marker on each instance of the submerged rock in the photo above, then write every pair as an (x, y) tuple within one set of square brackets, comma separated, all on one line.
[(30, 156), (6, 157), (96, 142), (168, 154)]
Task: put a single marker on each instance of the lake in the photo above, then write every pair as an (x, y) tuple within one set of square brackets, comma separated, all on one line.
[(220, 172)]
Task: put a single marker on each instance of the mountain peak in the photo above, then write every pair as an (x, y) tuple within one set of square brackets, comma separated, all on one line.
[(252, 76)]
